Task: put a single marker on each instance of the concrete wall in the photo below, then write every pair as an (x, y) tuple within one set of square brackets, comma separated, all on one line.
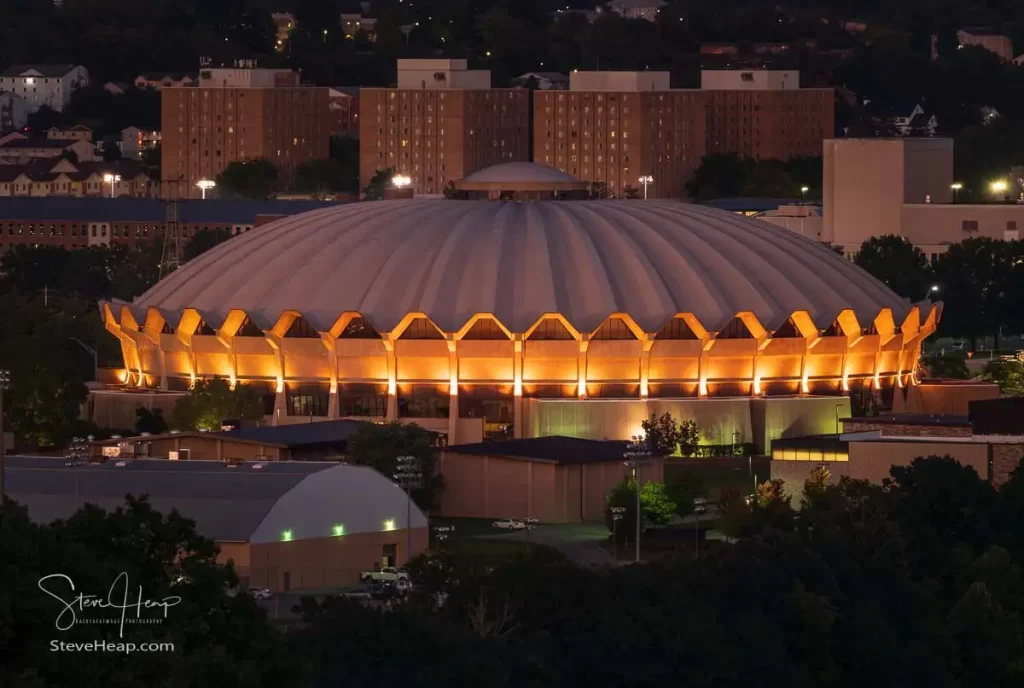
[(932, 228), (749, 79), (867, 181), (619, 81), (906, 430), (951, 397), (720, 421), (872, 461), (494, 487), (326, 562), (116, 409)]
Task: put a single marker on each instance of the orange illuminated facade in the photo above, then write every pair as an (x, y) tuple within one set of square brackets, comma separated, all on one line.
[(482, 372)]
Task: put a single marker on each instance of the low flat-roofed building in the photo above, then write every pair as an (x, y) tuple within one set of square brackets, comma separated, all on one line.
[(553, 479), (285, 525)]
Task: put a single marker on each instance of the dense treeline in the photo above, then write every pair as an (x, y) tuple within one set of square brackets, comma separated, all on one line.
[(979, 280), (913, 583)]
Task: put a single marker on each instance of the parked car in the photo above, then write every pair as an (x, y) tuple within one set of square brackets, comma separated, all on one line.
[(360, 593), (386, 573), (509, 524), (383, 591), (260, 593)]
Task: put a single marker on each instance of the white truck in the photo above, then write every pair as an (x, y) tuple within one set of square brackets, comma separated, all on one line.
[(386, 573)]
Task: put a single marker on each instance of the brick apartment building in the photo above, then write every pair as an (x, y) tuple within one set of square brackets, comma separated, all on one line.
[(74, 223), (615, 127), (764, 114), (240, 114), (441, 123)]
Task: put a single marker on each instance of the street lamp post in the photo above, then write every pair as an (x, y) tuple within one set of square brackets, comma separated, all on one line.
[(400, 181), (998, 187), (5, 379), (934, 289), (645, 180), (205, 184), (956, 186), (636, 455), (112, 179), (803, 194), (408, 476)]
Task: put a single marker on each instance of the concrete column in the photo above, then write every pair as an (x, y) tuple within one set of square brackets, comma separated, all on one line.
[(332, 405), (280, 407), (453, 390), (645, 365), (581, 368), (517, 387), (163, 369), (389, 344)]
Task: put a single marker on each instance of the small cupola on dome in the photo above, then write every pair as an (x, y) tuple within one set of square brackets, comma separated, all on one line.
[(520, 181)]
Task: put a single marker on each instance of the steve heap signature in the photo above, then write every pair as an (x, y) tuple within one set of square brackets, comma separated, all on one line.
[(117, 599)]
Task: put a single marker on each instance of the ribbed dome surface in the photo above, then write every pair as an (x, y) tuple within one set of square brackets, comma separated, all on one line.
[(583, 259)]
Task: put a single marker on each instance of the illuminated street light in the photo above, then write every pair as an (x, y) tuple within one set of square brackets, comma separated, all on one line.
[(111, 179), (803, 193), (645, 180), (205, 184), (956, 186), (998, 187), (400, 181), (934, 289), (636, 455)]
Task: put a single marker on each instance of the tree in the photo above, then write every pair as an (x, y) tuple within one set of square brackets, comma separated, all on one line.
[(321, 176), (664, 436), (374, 190), (378, 446), (248, 179), (203, 241), (898, 263), (973, 276), (211, 402), (656, 505), (601, 190), (164, 560), (948, 366), (1009, 375), (111, 151), (630, 192), (150, 421), (719, 175)]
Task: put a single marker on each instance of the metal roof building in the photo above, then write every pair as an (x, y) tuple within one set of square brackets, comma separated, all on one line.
[(278, 512)]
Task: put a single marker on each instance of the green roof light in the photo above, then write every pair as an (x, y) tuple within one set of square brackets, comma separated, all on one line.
[(286, 536), (338, 530)]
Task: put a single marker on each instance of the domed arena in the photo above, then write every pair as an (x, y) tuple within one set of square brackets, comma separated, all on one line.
[(485, 318)]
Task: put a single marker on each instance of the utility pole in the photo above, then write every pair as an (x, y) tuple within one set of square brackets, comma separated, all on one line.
[(408, 476), (637, 454)]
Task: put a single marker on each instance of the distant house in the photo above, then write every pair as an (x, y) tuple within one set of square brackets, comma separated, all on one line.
[(63, 177), (49, 85), (635, 9), (917, 121), (135, 141), (19, 150), (546, 81), (159, 80), (356, 23), (116, 88), (78, 132), (14, 111), (989, 40)]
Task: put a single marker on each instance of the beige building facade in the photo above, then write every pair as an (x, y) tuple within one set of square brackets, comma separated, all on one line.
[(904, 187)]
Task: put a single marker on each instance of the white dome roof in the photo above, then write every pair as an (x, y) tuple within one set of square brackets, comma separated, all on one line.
[(519, 172), (518, 261)]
